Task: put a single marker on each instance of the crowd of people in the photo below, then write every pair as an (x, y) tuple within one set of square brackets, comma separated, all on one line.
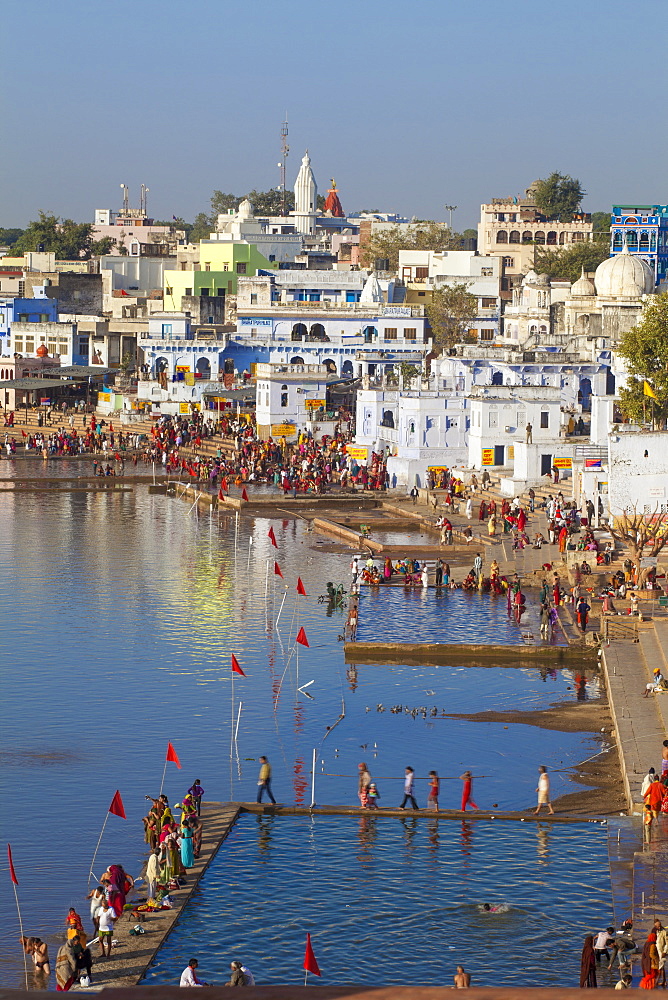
[(609, 948)]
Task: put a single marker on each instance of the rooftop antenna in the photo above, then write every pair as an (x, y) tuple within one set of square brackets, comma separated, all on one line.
[(143, 200), (126, 203), (285, 149), (450, 209)]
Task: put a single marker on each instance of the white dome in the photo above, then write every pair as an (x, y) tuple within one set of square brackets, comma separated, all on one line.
[(530, 278), (583, 287), (624, 275), (245, 210)]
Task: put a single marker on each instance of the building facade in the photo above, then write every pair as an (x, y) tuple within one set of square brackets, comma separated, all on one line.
[(642, 230)]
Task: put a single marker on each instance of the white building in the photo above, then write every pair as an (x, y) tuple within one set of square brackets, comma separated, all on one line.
[(637, 472), (292, 396), (176, 346), (306, 198)]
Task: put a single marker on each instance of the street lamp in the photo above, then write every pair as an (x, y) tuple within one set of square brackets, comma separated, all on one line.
[(450, 209)]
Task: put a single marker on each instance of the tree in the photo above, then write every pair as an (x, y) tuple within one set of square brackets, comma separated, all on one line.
[(558, 196), (470, 234), (567, 262), (69, 240), (645, 350), (385, 244), (600, 222), (222, 203), (200, 229), (8, 237), (643, 535), (451, 311)]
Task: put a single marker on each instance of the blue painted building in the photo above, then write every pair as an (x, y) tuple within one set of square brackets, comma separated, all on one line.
[(643, 229), (24, 311)]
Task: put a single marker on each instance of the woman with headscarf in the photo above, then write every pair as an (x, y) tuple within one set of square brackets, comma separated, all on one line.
[(649, 961), (588, 965), (187, 850)]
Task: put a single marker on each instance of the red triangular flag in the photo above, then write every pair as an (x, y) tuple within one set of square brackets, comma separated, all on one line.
[(221, 495), (235, 666), (12, 873), (173, 756), (301, 637), (223, 484), (272, 537), (310, 963), (117, 807), (277, 570), (244, 495), (300, 587)]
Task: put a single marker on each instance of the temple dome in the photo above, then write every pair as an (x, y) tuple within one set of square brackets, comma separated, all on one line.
[(245, 210), (625, 275), (583, 287), (42, 351)]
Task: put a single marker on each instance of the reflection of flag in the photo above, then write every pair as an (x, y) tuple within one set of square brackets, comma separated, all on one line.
[(300, 587), (301, 637), (244, 495), (12, 873), (277, 570), (117, 807), (592, 463), (648, 391), (173, 756), (235, 666), (310, 963), (272, 537)]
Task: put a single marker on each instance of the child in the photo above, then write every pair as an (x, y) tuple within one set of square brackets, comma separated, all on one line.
[(648, 819), (372, 796), (467, 778), (432, 798)]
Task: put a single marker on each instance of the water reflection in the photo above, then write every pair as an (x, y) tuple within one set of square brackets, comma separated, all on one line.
[(466, 843), (409, 824), (367, 835), (265, 825), (542, 847)]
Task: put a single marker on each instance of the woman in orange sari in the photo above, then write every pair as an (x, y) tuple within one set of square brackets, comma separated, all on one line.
[(649, 962)]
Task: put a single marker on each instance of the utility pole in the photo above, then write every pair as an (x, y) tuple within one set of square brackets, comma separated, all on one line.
[(285, 149), (450, 209)]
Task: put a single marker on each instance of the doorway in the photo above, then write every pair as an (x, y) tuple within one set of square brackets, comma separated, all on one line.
[(545, 464), (499, 454)]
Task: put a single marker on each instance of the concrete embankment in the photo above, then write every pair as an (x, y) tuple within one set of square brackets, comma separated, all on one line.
[(472, 654)]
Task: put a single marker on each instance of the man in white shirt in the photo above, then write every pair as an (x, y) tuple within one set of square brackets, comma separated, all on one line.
[(409, 778), (624, 983), (189, 976), (647, 781), (106, 917), (603, 939), (543, 791)]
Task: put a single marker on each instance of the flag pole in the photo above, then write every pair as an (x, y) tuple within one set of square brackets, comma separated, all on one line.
[(280, 611), (90, 871), (305, 976), (164, 772), (236, 731), (313, 778), (232, 738), (18, 910)]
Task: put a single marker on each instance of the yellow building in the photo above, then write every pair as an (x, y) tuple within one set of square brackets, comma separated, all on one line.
[(220, 264)]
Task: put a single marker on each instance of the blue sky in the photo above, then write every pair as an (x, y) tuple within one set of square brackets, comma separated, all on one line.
[(408, 105)]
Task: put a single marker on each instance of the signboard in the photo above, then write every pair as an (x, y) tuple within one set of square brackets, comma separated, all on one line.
[(253, 321), (104, 397), (592, 463), (648, 562), (487, 456), (397, 311), (510, 452), (562, 463), (315, 404), (47, 402), (358, 452), (190, 378), (184, 407), (657, 491), (283, 430), (183, 368), (437, 468)]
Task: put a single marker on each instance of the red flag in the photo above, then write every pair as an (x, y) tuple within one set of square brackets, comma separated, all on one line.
[(221, 495), (301, 637), (244, 495), (117, 807), (277, 570), (310, 963), (173, 756), (300, 587), (236, 669), (123, 292), (223, 484), (272, 537), (24, 434), (12, 873)]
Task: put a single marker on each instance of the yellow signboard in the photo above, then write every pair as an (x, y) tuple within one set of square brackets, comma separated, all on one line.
[(184, 407), (488, 456), (357, 452), (562, 463), (315, 404), (190, 378), (283, 430), (183, 368), (510, 452), (437, 468)]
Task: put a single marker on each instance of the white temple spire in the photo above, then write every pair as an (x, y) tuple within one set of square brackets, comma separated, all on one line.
[(306, 197)]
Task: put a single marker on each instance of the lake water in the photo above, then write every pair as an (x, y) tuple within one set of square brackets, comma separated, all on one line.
[(395, 901), (120, 613)]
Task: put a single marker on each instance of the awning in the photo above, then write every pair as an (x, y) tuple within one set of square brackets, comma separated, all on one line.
[(29, 384)]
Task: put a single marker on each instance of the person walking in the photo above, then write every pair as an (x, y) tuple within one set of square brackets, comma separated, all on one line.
[(432, 798), (438, 576), (409, 781), (414, 494), (543, 791), (152, 874), (264, 781), (197, 793), (477, 566), (467, 787), (363, 782), (106, 918), (583, 610)]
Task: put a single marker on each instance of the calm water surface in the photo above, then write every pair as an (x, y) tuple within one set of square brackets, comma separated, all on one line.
[(120, 612), (395, 901)]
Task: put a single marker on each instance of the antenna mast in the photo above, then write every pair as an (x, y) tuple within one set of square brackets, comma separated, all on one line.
[(126, 203), (285, 149)]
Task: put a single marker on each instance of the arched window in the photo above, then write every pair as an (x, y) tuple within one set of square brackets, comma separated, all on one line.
[(370, 333), (652, 241), (299, 331), (527, 237), (514, 236), (644, 240), (203, 366), (388, 419), (632, 240), (502, 236), (533, 330), (161, 365), (284, 395), (347, 368), (296, 361), (539, 237), (317, 332), (330, 365), (562, 239), (552, 238), (497, 378), (543, 329), (617, 240)]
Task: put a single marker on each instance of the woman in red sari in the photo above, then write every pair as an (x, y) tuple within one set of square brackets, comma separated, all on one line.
[(588, 965), (649, 962)]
